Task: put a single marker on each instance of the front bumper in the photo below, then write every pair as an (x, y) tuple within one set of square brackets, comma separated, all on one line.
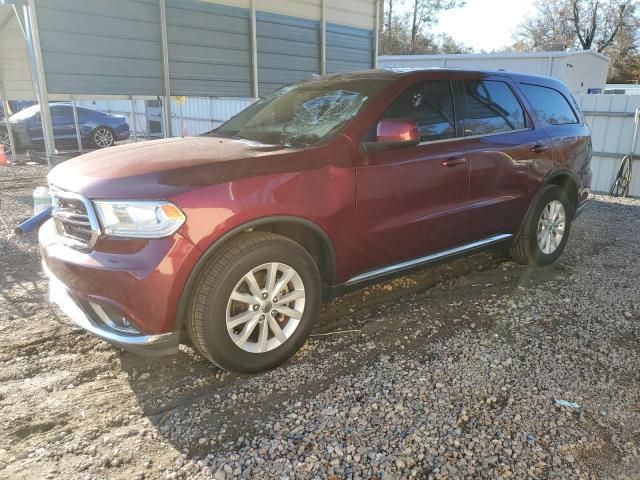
[(126, 292), (85, 315)]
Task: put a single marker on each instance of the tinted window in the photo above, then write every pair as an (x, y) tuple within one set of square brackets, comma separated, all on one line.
[(492, 107), (430, 104), (60, 111), (550, 105), (84, 114)]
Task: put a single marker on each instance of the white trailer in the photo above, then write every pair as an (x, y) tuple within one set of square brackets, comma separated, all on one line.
[(584, 71)]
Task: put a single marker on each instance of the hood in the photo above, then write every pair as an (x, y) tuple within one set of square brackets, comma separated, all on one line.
[(160, 167), (159, 155)]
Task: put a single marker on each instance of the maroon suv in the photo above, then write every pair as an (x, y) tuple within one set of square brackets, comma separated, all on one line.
[(234, 238)]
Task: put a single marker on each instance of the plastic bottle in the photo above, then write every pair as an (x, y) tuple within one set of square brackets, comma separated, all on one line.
[(41, 200)]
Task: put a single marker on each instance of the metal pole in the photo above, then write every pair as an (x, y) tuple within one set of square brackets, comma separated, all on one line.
[(166, 104), (254, 52), (12, 144), (210, 113), (181, 120), (76, 122), (35, 51), (323, 37), (134, 118), (376, 14)]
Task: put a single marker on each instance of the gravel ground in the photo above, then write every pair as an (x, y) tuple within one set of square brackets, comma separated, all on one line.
[(449, 373)]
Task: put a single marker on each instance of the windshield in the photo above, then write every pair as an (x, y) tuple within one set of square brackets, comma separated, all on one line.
[(303, 115)]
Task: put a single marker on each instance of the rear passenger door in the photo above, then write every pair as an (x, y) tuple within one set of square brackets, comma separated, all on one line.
[(507, 152), (569, 133)]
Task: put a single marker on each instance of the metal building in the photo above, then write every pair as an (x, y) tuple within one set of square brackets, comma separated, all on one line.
[(583, 71), (125, 49)]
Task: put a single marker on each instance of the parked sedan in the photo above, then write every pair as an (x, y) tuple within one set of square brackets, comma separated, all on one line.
[(98, 129)]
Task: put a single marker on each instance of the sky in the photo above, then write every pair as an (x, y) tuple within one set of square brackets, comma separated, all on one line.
[(484, 24)]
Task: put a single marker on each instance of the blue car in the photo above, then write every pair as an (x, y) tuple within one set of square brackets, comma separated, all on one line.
[(98, 129)]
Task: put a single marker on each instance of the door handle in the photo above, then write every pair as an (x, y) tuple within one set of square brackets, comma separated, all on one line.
[(453, 161), (539, 148)]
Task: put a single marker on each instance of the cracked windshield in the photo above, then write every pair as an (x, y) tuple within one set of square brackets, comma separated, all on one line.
[(302, 115)]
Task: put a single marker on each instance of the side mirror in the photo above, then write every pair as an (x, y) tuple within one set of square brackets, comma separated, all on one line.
[(394, 133)]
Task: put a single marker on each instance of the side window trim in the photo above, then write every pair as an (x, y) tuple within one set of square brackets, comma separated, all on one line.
[(529, 124)]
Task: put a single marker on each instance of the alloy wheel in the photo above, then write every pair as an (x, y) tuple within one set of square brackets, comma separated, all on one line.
[(265, 307), (551, 227), (103, 137)]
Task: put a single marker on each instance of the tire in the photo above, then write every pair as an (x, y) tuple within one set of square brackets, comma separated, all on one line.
[(213, 309), (527, 248), (103, 137)]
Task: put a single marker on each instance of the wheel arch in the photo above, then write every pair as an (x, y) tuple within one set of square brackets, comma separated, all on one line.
[(305, 232), (565, 180)]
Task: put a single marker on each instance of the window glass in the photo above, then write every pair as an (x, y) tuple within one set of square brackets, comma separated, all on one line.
[(430, 104), (550, 104), (306, 114), (492, 107), (60, 111)]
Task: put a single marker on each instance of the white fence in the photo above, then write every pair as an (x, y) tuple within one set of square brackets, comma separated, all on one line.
[(193, 117), (611, 120)]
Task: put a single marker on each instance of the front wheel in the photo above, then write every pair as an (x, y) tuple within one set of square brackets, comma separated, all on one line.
[(545, 230), (255, 303), (103, 137)]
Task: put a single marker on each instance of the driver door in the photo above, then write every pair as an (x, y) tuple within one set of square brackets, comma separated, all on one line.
[(412, 201)]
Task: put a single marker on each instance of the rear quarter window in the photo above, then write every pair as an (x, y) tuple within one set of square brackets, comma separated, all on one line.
[(550, 105)]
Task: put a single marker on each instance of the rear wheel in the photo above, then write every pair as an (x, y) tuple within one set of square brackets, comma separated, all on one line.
[(545, 231), (255, 303), (103, 137)]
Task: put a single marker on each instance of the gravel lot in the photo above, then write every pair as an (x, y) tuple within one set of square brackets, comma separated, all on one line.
[(450, 373)]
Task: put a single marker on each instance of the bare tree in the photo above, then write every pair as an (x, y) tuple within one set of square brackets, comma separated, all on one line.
[(550, 29), (584, 24), (425, 13), (389, 24), (597, 21)]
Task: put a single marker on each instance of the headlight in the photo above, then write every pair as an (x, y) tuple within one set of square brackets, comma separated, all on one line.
[(139, 219)]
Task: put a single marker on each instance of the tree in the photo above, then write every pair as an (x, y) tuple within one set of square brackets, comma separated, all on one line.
[(606, 26), (625, 56), (583, 24), (405, 33), (549, 29), (425, 13), (447, 44), (599, 22)]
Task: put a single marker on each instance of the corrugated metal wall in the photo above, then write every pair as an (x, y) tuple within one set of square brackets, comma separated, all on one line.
[(288, 50), (209, 49), (348, 48), (115, 48), (13, 57), (101, 47), (611, 120)]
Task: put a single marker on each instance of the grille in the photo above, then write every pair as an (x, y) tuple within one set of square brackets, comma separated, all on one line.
[(73, 219)]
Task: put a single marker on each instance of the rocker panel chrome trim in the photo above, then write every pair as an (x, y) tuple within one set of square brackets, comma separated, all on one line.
[(397, 267)]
